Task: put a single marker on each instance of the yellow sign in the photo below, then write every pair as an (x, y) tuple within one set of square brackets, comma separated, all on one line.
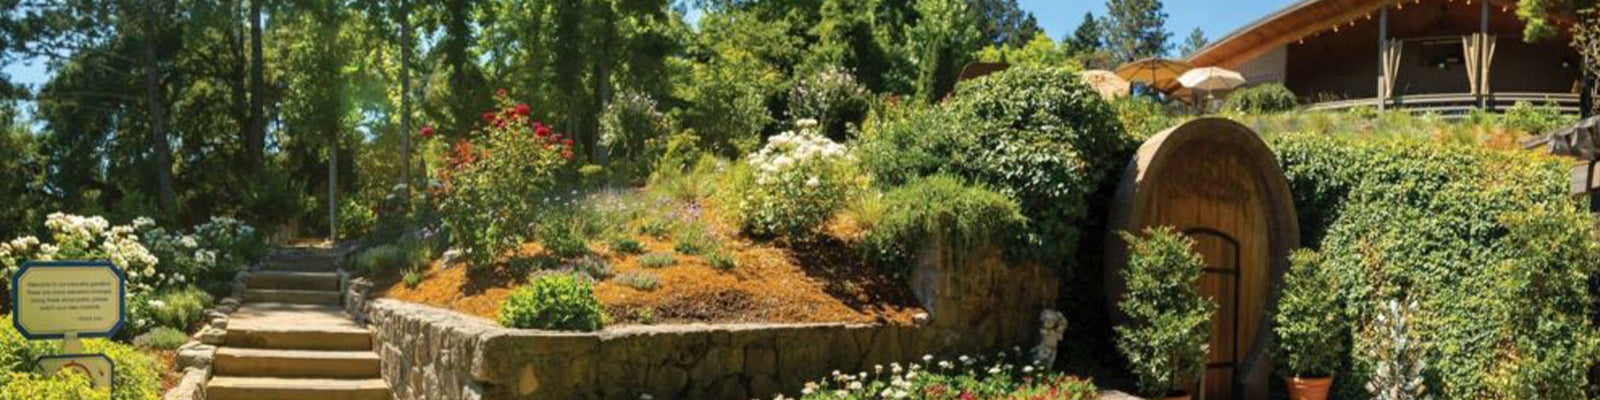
[(97, 367), (56, 298)]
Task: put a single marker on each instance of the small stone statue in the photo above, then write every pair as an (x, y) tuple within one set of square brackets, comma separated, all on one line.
[(1052, 325)]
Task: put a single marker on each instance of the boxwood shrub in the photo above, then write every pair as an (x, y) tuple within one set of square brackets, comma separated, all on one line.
[(554, 301), (1487, 243), (1034, 134)]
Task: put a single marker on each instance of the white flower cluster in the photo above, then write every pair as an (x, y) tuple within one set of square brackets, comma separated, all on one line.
[(793, 149), (912, 379), (800, 179), (86, 238)]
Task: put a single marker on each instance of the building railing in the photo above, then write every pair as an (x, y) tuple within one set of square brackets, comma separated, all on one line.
[(1458, 103)]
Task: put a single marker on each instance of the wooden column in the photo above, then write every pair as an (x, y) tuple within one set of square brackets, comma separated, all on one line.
[(1482, 84), (1383, 58)]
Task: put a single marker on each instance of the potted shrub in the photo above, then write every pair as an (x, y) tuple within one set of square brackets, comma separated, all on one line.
[(1168, 326), (1309, 326)]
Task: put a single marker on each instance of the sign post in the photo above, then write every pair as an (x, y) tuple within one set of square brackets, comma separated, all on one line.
[(67, 300)]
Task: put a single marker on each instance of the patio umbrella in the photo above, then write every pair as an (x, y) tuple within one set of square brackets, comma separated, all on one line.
[(1211, 78), (1161, 74), (1107, 83)]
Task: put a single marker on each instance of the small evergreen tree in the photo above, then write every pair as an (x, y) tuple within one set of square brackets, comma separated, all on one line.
[(1136, 29), (1196, 41)]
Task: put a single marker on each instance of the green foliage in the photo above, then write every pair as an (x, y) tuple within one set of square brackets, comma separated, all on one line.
[(832, 98), (179, 309), (632, 130), (355, 219), (381, 260), (1169, 322), (162, 338), (727, 104), (657, 260), (18, 386), (1005, 377), (1040, 51), (794, 185), (1310, 327), (722, 261), (641, 281), (623, 245), (1266, 98), (962, 216), (1534, 120), (138, 375), (1036, 135), (492, 183), (692, 239), (1142, 117), (564, 235), (1486, 242), (942, 40), (413, 277), (595, 267), (1135, 29), (1196, 41), (553, 302)]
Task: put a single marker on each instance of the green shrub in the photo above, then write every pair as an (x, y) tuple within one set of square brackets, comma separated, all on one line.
[(555, 302), (962, 215), (179, 309), (21, 386), (727, 104), (1486, 242), (834, 99), (381, 260), (623, 245), (793, 185), (692, 239), (1311, 330), (595, 267), (641, 281), (722, 261), (413, 277), (1169, 322), (138, 375), (355, 219), (657, 260), (163, 338), (1535, 120), (1267, 98), (493, 182), (1142, 117), (628, 128), (1035, 135), (564, 237)]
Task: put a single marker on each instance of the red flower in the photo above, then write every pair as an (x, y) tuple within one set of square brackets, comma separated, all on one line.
[(567, 154), (567, 142), (427, 131), (540, 130), (488, 117), (523, 109), (500, 93)]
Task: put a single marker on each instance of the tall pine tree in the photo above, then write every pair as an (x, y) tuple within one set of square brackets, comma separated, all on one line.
[(1196, 41), (1136, 29)]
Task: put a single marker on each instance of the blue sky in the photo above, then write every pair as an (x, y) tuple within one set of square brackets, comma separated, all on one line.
[(1215, 17), (1058, 17)]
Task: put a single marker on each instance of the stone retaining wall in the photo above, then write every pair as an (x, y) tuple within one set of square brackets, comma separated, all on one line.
[(977, 304)]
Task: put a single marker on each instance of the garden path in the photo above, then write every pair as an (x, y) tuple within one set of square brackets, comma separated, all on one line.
[(290, 340)]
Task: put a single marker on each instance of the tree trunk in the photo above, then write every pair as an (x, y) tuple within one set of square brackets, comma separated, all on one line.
[(158, 121), (405, 100), (256, 139), (602, 79)]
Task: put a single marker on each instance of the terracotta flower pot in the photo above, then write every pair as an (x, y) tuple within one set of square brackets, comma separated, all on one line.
[(1309, 388)]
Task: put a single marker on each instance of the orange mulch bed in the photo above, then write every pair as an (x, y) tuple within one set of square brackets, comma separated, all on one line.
[(825, 281)]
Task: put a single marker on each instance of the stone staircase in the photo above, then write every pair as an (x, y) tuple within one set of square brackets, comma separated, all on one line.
[(291, 340)]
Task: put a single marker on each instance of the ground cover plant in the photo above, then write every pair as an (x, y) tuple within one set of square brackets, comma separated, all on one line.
[(1006, 376)]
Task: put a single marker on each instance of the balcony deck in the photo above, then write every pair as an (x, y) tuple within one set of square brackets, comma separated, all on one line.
[(1457, 104)]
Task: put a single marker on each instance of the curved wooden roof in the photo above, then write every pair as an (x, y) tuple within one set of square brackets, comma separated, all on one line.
[(1299, 20)]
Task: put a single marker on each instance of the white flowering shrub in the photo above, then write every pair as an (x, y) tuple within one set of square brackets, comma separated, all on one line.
[(76, 237), (209, 255), (795, 184), (965, 377)]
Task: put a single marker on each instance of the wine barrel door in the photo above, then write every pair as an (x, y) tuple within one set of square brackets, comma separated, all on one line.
[(1221, 284), (1217, 182)]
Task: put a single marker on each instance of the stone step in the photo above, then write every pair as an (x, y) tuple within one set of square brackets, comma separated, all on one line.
[(291, 280), (301, 264), (257, 388), (233, 361), (315, 297), (295, 327)]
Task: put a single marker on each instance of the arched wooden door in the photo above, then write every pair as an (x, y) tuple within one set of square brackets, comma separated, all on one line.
[(1216, 181)]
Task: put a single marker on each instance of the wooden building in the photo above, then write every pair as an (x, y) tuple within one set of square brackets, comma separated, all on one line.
[(1447, 56)]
